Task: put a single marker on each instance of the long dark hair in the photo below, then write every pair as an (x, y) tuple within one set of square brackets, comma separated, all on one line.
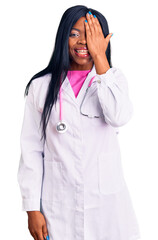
[(59, 62)]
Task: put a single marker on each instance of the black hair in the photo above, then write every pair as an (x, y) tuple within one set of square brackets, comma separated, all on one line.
[(60, 62)]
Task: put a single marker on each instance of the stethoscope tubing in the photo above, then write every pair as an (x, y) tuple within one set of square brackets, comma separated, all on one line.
[(61, 126)]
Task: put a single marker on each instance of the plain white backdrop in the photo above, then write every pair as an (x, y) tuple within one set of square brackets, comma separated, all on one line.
[(28, 30)]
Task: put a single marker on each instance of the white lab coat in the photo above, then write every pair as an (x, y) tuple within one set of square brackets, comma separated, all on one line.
[(76, 178)]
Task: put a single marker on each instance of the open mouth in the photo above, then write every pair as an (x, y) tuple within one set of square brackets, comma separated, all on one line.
[(82, 53)]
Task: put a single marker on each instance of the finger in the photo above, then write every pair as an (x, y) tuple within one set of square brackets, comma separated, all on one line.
[(39, 235), (44, 230), (108, 37), (34, 235), (88, 32), (94, 23), (99, 28), (91, 27)]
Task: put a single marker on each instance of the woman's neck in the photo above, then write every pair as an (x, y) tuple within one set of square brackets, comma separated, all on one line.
[(81, 67)]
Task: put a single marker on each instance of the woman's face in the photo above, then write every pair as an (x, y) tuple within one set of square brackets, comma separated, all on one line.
[(80, 59)]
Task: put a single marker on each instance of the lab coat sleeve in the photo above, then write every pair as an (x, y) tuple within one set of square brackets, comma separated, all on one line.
[(30, 169), (113, 95)]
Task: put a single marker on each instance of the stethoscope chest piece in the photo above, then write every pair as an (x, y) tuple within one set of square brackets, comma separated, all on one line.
[(61, 127)]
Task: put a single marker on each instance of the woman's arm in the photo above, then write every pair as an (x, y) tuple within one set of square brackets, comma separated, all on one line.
[(112, 85), (30, 170), (112, 88)]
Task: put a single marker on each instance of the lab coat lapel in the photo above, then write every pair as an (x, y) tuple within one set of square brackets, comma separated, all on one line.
[(66, 87)]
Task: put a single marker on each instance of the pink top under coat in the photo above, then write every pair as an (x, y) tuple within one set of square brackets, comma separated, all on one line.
[(76, 79)]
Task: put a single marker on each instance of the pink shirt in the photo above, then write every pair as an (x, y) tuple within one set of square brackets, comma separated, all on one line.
[(76, 79)]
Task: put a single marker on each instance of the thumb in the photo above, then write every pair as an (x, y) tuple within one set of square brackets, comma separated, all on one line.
[(108, 37), (45, 231)]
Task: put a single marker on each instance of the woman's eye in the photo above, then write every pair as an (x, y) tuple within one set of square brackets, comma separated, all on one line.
[(73, 34)]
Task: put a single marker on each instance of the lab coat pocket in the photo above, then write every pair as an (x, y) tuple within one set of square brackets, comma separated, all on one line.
[(92, 108), (111, 179), (52, 188)]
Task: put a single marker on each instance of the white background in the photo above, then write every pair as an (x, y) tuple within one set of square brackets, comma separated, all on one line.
[(28, 30)]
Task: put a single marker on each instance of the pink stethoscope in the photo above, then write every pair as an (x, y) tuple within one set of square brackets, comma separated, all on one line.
[(61, 126)]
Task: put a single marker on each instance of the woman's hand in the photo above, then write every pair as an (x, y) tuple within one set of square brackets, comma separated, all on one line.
[(37, 225), (96, 42)]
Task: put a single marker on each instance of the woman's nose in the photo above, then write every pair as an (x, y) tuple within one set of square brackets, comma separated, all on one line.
[(82, 40)]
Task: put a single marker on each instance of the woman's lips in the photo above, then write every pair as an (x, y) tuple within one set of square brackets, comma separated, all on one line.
[(82, 52)]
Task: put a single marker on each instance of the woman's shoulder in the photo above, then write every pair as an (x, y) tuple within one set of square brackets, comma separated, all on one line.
[(41, 81)]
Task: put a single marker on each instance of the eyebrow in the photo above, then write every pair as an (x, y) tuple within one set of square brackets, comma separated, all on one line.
[(76, 29)]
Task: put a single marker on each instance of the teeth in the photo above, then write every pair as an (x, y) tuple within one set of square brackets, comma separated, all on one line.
[(82, 51)]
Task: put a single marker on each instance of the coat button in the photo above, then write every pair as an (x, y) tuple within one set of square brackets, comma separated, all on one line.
[(90, 116), (99, 81)]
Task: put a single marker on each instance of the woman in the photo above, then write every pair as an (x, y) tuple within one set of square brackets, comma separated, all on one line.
[(70, 172)]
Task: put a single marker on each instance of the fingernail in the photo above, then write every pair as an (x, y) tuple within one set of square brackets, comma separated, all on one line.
[(94, 16), (47, 238), (90, 13), (86, 21)]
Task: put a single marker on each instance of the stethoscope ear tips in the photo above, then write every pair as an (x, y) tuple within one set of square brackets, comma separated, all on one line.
[(61, 127)]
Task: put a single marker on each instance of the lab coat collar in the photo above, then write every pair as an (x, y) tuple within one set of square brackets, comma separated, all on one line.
[(66, 86)]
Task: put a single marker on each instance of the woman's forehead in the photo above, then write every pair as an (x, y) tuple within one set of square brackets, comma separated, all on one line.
[(79, 25)]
